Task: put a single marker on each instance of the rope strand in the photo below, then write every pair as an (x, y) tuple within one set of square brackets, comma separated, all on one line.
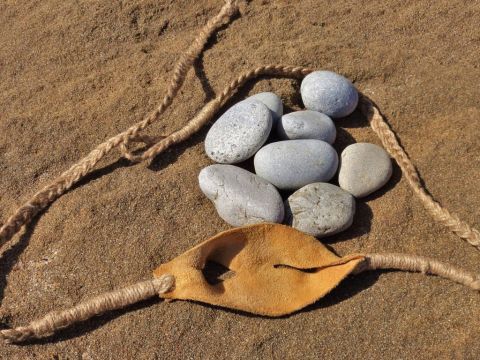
[(414, 263), (100, 304)]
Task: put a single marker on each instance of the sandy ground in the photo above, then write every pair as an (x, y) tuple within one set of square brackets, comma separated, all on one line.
[(74, 73)]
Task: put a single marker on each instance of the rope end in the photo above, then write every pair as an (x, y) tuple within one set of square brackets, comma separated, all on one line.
[(164, 283), (12, 336), (475, 285)]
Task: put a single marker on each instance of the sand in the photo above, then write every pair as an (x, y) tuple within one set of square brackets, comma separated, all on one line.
[(75, 73)]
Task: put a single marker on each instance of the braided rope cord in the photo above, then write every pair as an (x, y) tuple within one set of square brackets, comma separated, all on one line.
[(424, 265), (113, 300)]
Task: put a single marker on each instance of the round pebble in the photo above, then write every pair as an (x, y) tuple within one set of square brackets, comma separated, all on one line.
[(320, 209), (291, 164), (239, 132), (240, 197), (329, 93), (364, 169), (271, 101), (307, 124)]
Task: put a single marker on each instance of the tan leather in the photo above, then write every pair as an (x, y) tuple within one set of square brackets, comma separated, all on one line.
[(260, 285)]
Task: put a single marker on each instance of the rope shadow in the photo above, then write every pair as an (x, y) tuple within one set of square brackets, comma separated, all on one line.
[(199, 69), (9, 258), (171, 155), (101, 172)]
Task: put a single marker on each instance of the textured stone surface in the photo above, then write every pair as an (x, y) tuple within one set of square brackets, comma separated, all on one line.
[(307, 124), (329, 93), (239, 132), (364, 169), (291, 164), (271, 101), (241, 197), (320, 209)]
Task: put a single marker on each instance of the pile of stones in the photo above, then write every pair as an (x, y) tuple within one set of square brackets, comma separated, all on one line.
[(302, 161)]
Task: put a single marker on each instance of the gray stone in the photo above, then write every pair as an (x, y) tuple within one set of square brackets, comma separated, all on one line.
[(272, 101), (329, 93), (320, 209), (364, 169), (240, 197), (307, 124), (239, 132), (291, 164)]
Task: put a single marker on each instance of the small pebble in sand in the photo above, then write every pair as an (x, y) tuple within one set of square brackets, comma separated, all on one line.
[(291, 164), (271, 101), (239, 132), (329, 93), (320, 209), (240, 197), (364, 169), (307, 124)]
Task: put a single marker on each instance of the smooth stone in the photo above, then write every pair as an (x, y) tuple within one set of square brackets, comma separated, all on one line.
[(329, 93), (240, 197), (307, 124), (239, 132), (291, 164), (272, 101), (364, 169), (320, 209)]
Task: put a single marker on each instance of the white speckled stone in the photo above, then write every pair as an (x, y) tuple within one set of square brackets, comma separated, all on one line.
[(240, 197), (272, 101), (291, 164), (239, 132), (364, 169), (320, 209), (329, 93), (307, 124)]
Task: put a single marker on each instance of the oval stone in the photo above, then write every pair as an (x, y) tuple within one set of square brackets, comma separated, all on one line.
[(240, 197), (320, 209), (271, 101), (239, 132), (307, 124), (364, 169), (291, 164), (329, 93)]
